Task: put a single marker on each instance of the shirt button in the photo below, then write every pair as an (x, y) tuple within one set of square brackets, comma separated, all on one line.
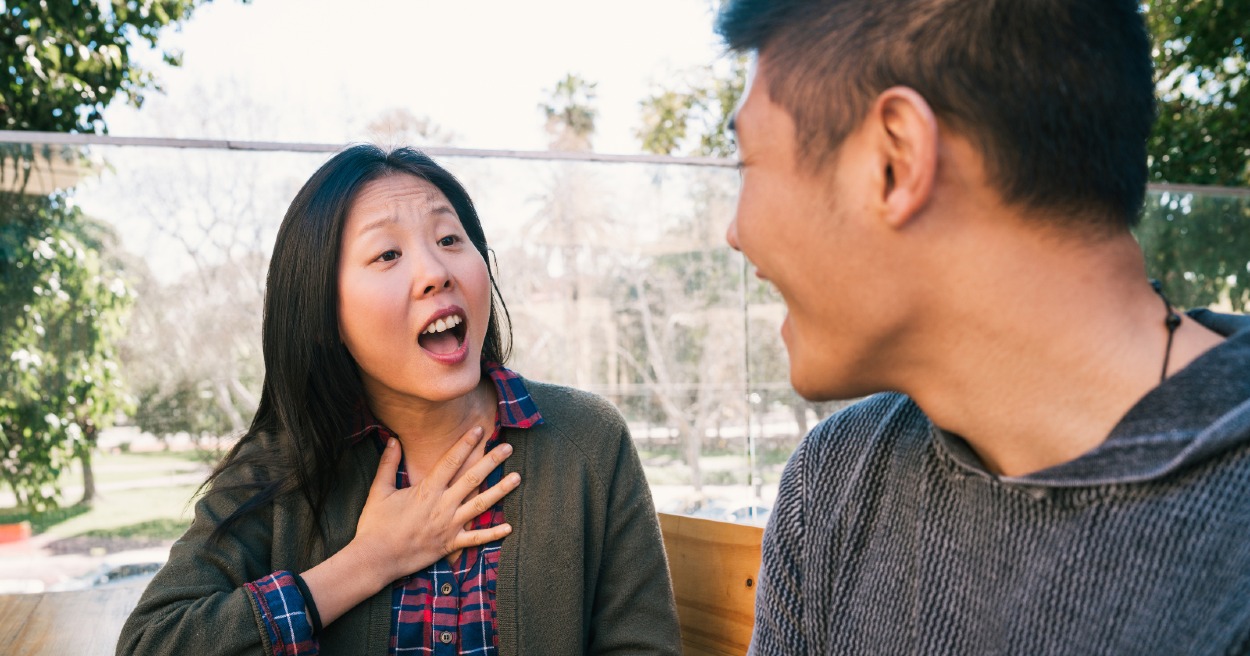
[(445, 637), (446, 591)]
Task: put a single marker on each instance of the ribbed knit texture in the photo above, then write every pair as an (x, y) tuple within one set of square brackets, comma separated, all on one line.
[(889, 537)]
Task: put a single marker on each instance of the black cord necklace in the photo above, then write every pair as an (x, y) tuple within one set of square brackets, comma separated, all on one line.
[(1172, 321)]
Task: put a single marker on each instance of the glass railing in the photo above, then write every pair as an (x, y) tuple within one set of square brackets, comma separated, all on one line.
[(617, 277)]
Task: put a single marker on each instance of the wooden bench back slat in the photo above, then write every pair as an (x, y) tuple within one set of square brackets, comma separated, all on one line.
[(714, 566), (86, 622)]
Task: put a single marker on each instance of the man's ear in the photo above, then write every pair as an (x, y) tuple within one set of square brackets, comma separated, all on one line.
[(907, 144)]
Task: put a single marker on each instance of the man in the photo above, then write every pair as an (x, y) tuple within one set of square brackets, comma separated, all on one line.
[(941, 191)]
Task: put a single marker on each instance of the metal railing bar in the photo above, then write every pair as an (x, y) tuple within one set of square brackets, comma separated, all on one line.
[(62, 139)]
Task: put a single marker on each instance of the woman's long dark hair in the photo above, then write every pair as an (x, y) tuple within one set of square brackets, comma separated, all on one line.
[(312, 391)]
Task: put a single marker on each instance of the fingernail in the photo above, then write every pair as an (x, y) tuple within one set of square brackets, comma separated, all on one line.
[(505, 448), (507, 528), (392, 443), (477, 430), (514, 477)]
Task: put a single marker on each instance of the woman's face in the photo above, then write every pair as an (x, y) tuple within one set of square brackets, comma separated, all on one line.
[(414, 294)]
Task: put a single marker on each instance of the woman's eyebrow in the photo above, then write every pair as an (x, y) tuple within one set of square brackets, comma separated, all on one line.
[(380, 222), (391, 218), (444, 208)]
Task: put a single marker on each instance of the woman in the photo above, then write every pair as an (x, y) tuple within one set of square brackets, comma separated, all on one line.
[(399, 490)]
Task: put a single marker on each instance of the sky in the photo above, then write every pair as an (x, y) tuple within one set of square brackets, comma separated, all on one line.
[(320, 70)]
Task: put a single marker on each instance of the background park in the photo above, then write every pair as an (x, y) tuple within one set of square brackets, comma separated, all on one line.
[(592, 139)]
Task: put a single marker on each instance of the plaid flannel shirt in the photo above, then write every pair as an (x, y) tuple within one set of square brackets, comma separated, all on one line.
[(447, 608)]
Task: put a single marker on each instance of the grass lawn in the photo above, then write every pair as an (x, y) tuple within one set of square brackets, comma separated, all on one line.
[(155, 512), (115, 512), (123, 467)]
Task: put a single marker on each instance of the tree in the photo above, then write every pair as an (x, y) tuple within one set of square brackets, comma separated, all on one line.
[(61, 64), (1199, 244), (570, 113), (693, 115), (1203, 86), (192, 354), (61, 321)]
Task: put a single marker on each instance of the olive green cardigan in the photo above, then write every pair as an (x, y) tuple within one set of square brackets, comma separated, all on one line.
[(583, 572)]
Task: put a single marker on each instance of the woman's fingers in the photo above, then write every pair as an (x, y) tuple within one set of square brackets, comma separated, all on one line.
[(388, 466), (455, 457), (474, 476), (484, 501), (478, 452), (480, 537)]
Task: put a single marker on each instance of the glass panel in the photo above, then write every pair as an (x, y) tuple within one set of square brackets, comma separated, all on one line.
[(1198, 244), (617, 278)]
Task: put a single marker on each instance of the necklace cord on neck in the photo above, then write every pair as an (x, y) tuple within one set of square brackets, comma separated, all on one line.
[(1172, 321)]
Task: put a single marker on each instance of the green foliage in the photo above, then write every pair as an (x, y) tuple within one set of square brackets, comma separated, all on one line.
[(1200, 56), (1198, 245), (62, 316), (694, 115), (61, 63), (64, 61), (570, 113), (187, 408)]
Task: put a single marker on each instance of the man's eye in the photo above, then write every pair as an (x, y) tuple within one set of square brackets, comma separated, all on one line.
[(449, 240), (389, 255)]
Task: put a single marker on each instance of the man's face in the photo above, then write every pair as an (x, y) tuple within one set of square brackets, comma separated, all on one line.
[(809, 233)]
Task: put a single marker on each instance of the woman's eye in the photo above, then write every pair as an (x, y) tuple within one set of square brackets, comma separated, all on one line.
[(389, 255), (449, 240)]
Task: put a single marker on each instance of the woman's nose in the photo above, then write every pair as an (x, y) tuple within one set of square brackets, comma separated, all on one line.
[(430, 289), (432, 275)]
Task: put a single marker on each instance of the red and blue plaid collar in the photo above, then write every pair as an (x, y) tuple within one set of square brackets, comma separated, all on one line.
[(516, 408)]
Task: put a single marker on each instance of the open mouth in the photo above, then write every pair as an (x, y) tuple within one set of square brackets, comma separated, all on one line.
[(443, 336)]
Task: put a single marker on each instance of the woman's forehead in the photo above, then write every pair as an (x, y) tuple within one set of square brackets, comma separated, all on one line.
[(392, 197)]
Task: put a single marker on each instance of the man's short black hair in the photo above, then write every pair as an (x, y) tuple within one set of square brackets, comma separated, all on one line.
[(1058, 94)]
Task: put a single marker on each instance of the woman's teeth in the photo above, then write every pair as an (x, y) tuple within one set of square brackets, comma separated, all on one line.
[(446, 323)]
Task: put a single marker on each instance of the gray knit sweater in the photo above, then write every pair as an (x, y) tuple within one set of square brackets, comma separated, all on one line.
[(890, 537)]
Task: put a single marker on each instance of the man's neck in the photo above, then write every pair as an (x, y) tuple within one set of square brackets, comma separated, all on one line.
[(1034, 366)]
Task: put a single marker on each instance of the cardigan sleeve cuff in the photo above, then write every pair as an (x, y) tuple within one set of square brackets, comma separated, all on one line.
[(285, 614)]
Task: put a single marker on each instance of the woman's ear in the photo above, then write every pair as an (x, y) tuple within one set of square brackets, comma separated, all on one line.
[(907, 139)]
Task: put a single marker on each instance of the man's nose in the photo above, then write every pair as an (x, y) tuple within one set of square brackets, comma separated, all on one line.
[(731, 235)]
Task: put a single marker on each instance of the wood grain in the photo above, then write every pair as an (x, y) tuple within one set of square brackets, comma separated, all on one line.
[(714, 567), (86, 622)]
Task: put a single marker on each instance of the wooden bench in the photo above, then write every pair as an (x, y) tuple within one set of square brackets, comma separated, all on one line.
[(714, 567), (86, 622)]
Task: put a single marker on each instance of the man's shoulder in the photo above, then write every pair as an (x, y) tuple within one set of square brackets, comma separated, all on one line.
[(882, 420), (863, 449)]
